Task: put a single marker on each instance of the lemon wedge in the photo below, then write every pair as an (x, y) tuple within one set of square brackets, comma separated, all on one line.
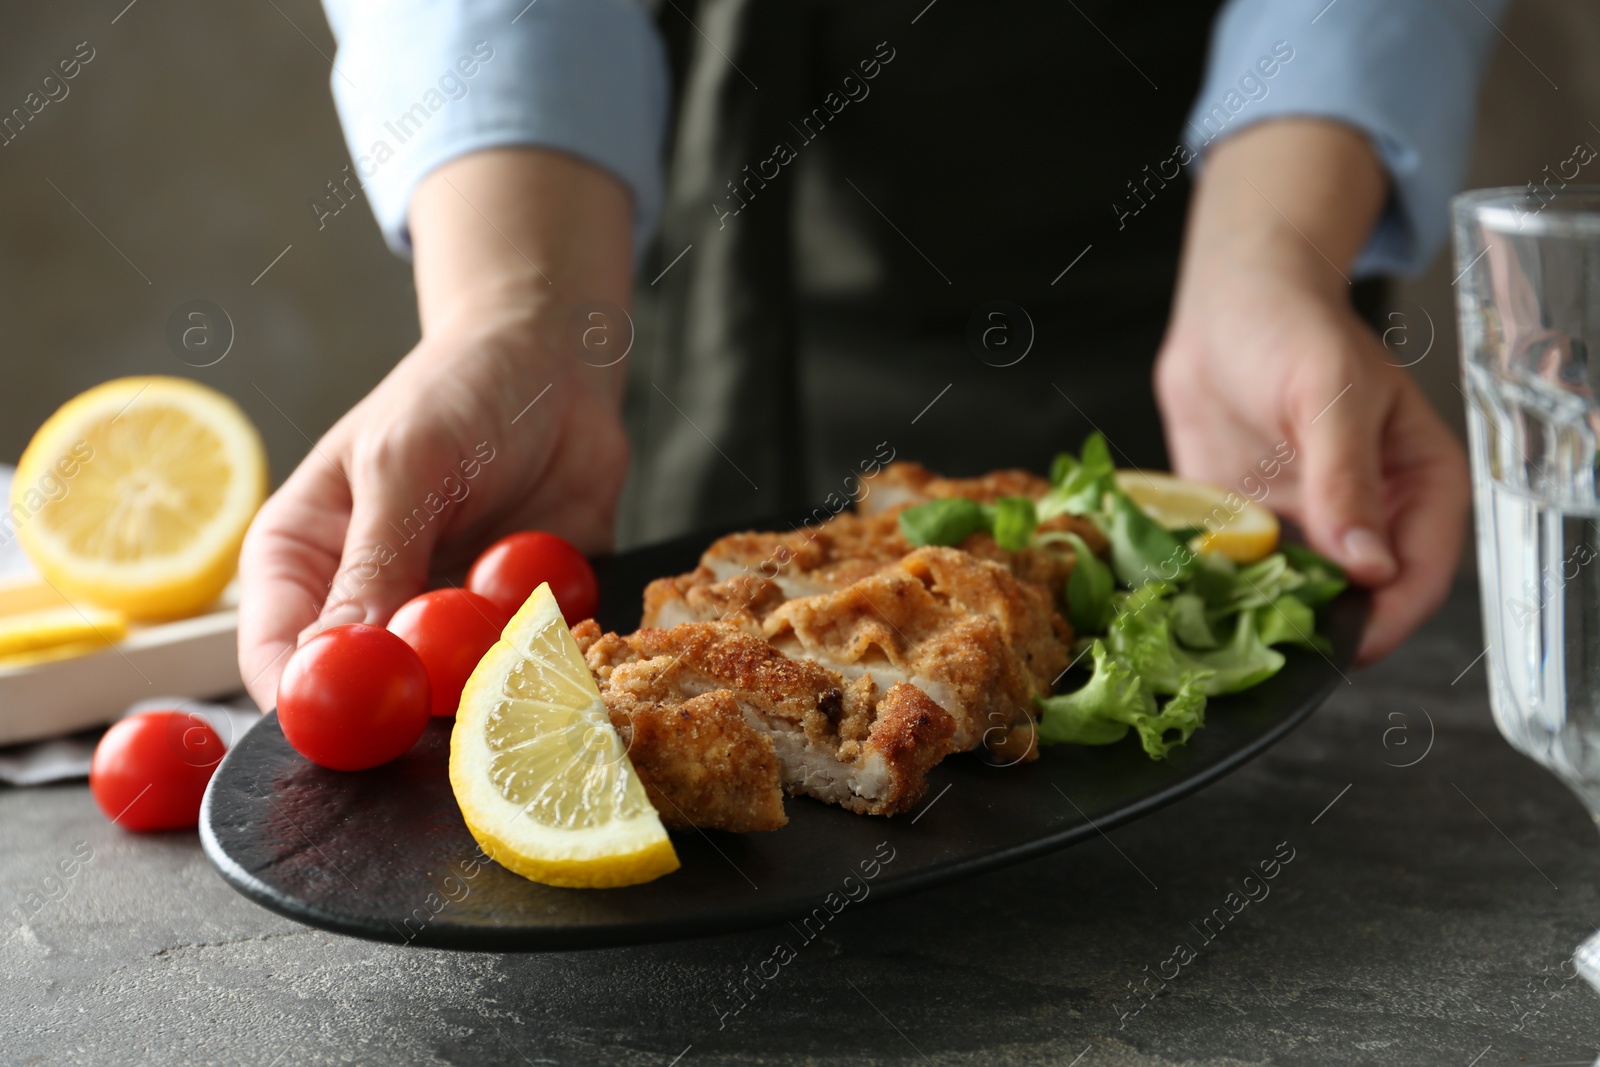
[(136, 495), (35, 618), (542, 779), (1236, 527)]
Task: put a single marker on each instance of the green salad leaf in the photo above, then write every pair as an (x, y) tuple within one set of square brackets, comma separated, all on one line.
[(1243, 662), (1324, 579), (1079, 484), (1099, 713), (1061, 467), (1262, 582), (1290, 620), (1011, 520), (1168, 627), (1089, 588), (943, 522), (1115, 700), (1142, 549), (1141, 635), (1214, 580), (1185, 712), (1190, 625)]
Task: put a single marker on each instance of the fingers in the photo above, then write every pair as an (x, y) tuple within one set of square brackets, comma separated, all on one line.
[(385, 557), (285, 565), (1427, 475), (1345, 407)]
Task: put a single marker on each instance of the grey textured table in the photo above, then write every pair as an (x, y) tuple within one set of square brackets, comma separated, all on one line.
[(1427, 917)]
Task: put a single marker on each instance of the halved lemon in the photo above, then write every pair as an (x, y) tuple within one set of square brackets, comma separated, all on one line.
[(542, 779), (35, 617), (1236, 527), (136, 495)]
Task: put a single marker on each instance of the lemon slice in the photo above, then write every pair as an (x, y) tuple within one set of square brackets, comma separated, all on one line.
[(136, 494), (35, 618), (1236, 527), (542, 778)]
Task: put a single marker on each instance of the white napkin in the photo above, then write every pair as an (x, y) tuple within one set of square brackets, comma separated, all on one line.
[(68, 757)]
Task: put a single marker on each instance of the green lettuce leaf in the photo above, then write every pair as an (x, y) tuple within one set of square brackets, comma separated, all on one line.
[(1324, 579), (1061, 467), (1113, 701), (1185, 712), (1262, 582), (1142, 549), (1245, 661), (1187, 616), (1214, 580), (943, 522), (1141, 635), (1290, 620), (1089, 588), (1102, 711), (1080, 485), (1011, 520)]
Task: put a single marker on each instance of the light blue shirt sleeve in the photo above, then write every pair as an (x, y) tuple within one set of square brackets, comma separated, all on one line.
[(420, 82), (1404, 72)]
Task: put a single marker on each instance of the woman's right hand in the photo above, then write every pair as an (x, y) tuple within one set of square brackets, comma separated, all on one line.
[(492, 423)]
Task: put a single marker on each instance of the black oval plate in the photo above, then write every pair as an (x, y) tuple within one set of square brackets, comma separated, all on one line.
[(383, 854)]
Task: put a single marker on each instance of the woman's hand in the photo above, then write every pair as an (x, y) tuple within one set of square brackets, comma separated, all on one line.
[(1265, 359), (493, 423)]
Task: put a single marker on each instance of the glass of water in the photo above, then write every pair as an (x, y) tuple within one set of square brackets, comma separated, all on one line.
[(1529, 295)]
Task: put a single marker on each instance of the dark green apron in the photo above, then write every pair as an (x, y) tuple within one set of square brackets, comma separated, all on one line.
[(861, 196)]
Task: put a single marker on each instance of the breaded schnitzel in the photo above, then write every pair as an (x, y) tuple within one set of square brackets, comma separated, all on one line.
[(904, 483), (964, 630), (838, 661), (720, 724)]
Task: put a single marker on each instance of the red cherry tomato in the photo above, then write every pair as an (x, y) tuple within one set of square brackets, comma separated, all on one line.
[(353, 697), (513, 567), (150, 770), (450, 629)]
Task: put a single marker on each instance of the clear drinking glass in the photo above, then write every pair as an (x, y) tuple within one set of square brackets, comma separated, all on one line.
[(1529, 295)]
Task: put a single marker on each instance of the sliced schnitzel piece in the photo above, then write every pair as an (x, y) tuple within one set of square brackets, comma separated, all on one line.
[(741, 600), (811, 559), (701, 763), (678, 697), (831, 555), (963, 630)]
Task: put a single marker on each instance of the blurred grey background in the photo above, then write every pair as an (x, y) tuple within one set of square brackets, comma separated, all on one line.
[(181, 161)]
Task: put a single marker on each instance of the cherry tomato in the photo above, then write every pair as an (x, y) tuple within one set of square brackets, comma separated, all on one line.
[(450, 629), (513, 567), (353, 697), (150, 770)]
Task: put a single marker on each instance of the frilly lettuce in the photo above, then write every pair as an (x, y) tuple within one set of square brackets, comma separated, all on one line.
[(1114, 700), (1168, 626), (1079, 483), (1141, 635)]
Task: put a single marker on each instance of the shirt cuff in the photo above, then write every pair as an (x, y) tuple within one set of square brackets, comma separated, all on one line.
[(1405, 74), (420, 82)]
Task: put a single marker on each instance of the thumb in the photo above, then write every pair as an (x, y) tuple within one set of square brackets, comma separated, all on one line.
[(386, 554), (1342, 490)]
